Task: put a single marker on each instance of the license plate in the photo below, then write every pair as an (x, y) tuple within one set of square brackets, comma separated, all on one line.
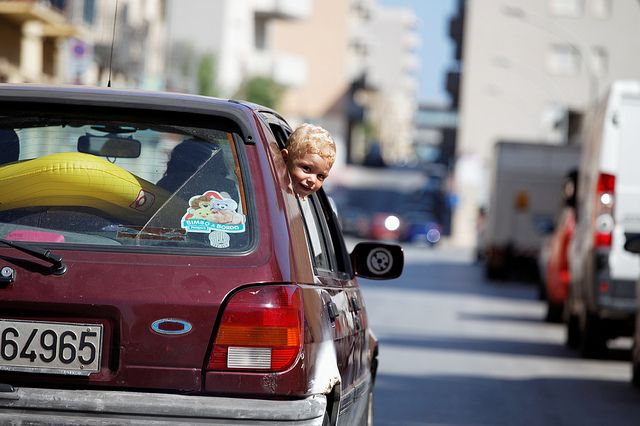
[(54, 348)]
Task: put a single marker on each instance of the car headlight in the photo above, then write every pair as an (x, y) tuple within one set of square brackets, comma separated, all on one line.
[(433, 235), (392, 223)]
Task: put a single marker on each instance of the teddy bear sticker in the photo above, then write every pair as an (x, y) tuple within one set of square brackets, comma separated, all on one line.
[(213, 211)]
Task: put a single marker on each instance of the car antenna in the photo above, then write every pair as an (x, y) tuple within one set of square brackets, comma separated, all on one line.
[(113, 38)]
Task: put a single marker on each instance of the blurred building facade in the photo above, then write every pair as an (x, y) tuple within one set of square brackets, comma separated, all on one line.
[(139, 43), (347, 65), (66, 41), (334, 44), (391, 72), (434, 148), (361, 84), (32, 39), (529, 69), (239, 36)]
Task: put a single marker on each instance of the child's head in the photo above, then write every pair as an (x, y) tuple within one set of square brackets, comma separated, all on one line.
[(310, 154)]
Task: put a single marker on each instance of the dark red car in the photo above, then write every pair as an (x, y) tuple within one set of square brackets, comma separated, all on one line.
[(155, 268)]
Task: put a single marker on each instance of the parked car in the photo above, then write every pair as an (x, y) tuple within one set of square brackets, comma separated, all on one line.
[(392, 204), (370, 213), (384, 214), (601, 303), (554, 255), (155, 267), (420, 226)]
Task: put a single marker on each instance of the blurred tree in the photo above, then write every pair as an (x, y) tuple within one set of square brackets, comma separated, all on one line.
[(261, 90), (206, 76), (369, 129)]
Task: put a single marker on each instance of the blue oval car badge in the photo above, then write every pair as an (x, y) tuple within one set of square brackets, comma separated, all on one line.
[(171, 326)]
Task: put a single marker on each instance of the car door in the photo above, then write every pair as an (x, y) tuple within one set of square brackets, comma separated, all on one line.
[(334, 274), (333, 271)]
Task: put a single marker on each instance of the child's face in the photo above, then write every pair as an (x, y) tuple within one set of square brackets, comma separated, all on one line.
[(307, 172)]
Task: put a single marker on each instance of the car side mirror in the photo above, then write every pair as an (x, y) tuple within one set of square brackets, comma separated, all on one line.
[(632, 243), (377, 261)]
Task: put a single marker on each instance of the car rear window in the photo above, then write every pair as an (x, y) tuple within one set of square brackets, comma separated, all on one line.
[(121, 184)]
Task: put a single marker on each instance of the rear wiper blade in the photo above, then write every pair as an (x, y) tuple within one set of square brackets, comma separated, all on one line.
[(57, 266)]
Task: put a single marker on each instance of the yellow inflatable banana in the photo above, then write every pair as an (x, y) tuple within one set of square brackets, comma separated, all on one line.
[(77, 179)]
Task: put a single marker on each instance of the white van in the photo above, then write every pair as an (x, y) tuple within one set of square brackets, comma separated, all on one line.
[(603, 275)]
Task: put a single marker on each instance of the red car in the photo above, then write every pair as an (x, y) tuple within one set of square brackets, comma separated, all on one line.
[(556, 271), (154, 267)]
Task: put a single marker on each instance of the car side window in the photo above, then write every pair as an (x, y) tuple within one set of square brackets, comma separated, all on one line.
[(318, 243), (340, 254), (321, 220)]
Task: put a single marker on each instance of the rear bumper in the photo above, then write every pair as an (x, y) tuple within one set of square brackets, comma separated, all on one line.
[(35, 406)]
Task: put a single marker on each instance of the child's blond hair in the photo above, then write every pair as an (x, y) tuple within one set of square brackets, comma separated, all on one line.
[(311, 139)]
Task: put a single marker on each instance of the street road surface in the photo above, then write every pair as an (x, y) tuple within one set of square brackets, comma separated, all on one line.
[(456, 349)]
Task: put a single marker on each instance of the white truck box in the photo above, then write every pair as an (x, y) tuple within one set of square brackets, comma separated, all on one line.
[(525, 196)]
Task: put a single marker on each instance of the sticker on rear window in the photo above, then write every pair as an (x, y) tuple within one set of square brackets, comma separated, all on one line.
[(213, 211)]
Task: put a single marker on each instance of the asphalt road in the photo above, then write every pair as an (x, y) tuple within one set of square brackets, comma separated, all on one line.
[(456, 349)]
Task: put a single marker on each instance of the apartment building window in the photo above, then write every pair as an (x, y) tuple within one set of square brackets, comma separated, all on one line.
[(601, 8), (260, 33), (563, 59), (362, 8), (359, 48), (89, 11), (58, 4), (567, 8), (599, 61)]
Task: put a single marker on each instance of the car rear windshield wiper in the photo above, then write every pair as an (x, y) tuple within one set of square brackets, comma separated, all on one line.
[(57, 266)]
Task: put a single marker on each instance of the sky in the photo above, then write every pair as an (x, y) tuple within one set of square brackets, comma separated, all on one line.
[(435, 52)]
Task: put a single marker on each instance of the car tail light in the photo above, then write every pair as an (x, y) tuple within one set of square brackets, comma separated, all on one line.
[(261, 329), (604, 222), (604, 287)]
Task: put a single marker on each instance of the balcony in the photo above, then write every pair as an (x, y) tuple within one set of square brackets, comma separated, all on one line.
[(31, 32), (53, 22), (283, 9)]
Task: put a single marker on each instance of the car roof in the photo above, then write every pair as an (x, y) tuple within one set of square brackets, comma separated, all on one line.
[(133, 98), (108, 95)]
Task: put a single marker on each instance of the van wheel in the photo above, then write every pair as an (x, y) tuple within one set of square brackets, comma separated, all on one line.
[(593, 344)]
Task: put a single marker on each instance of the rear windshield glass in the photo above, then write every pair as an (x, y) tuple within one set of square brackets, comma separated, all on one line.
[(121, 184)]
